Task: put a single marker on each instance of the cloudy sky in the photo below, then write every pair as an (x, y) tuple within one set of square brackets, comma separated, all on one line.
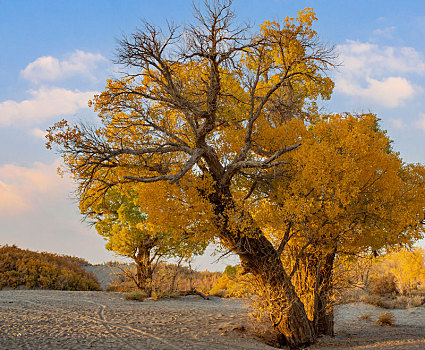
[(55, 55)]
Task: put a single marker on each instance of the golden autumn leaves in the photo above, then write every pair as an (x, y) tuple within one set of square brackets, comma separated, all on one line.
[(347, 185), (218, 136)]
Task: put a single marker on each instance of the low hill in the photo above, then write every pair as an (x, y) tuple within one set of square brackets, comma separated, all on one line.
[(27, 269)]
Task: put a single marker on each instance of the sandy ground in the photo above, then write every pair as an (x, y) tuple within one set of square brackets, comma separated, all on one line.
[(35, 319), (408, 331), (105, 274)]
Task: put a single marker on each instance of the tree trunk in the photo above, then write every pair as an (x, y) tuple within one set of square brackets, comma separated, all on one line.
[(144, 270), (313, 281), (325, 320), (287, 312), (238, 232), (325, 325)]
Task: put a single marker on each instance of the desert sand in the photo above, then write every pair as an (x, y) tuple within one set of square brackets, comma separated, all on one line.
[(42, 319)]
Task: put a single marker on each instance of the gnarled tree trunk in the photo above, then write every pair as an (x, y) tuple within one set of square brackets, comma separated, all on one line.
[(288, 314), (259, 257), (313, 280), (144, 270)]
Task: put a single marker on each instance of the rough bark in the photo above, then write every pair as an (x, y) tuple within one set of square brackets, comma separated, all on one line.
[(262, 260), (313, 281), (325, 316), (326, 321), (288, 316), (144, 270)]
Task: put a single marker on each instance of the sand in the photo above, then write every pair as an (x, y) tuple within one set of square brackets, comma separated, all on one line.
[(36, 319), (41, 319), (352, 332)]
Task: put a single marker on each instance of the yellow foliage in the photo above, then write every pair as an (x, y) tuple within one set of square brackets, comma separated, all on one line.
[(406, 265), (225, 141), (232, 283)]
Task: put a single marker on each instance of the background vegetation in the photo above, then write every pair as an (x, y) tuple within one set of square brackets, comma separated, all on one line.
[(27, 269), (167, 279)]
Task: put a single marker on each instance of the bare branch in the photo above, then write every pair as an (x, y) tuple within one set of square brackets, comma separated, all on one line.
[(297, 260), (285, 239), (196, 156), (233, 168)]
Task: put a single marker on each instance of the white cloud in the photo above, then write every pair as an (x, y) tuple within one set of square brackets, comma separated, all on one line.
[(380, 59), (22, 189), (386, 32), (48, 68), (421, 122), (38, 134), (45, 103), (378, 73), (390, 92)]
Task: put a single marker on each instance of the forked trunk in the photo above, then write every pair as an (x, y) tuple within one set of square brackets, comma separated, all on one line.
[(313, 281)]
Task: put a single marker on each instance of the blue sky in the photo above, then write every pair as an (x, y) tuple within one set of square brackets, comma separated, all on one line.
[(56, 54)]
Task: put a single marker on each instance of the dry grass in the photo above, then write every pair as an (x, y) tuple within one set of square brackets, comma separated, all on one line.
[(382, 285), (21, 268), (401, 302), (386, 319), (262, 330), (136, 295), (222, 293), (119, 286), (416, 301), (366, 316), (184, 279), (158, 295), (376, 300), (372, 299)]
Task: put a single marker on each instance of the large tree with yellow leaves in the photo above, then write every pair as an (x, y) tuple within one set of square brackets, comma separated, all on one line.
[(203, 128)]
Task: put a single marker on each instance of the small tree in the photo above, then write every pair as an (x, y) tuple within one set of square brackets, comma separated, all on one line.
[(128, 233)]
